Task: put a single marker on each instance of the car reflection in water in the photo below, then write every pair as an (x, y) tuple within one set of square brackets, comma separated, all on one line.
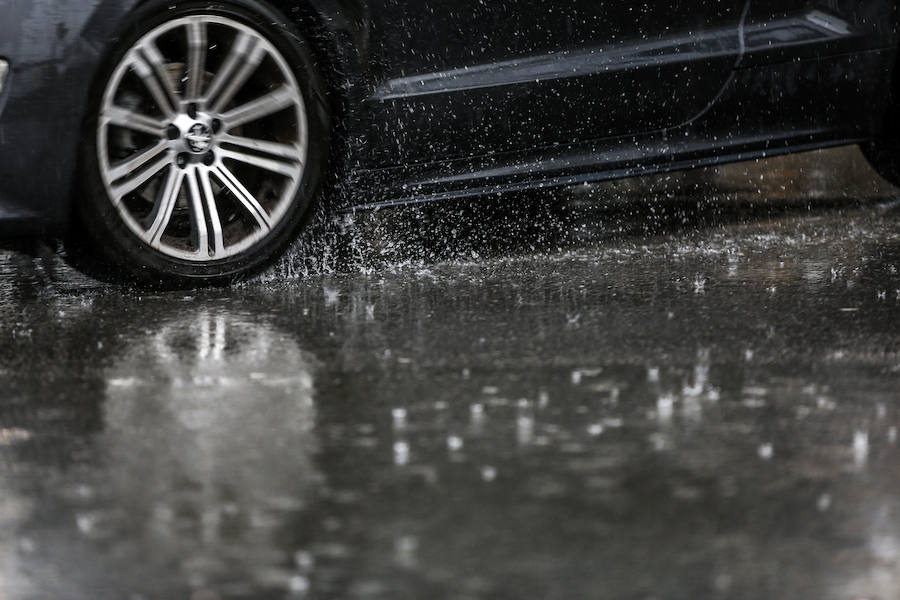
[(205, 462)]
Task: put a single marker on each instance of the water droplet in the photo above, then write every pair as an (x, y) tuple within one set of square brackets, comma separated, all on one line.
[(298, 585), (659, 442), (488, 473), (525, 429), (399, 416), (860, 447), (401, 453), (665, 407), (405, 549), (304, 560), (543, 399)]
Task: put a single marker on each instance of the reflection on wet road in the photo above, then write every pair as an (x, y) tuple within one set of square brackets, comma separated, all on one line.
[(671, 414)]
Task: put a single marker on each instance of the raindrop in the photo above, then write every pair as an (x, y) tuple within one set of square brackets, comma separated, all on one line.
[(543, 399), (665, 407), (860, 447), (659, 442), (766, 451), (399, 415), (331, 296), (298, 585), (304, 560), (699, 284), (26, 545), (525, 429), (401, 453), (405, 549)]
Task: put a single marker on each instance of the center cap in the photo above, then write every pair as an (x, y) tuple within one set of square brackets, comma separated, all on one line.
[(199, 138)]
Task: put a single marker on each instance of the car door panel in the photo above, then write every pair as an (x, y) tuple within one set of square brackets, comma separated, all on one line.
[(807, 63), (521, 74), (783, 30)]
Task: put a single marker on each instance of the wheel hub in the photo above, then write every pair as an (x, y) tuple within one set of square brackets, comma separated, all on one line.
[(199, 138), (194, 134)]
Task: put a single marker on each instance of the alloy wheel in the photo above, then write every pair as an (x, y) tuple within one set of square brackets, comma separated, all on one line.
[(202, 138)]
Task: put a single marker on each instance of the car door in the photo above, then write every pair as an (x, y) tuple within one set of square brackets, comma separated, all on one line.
[(469, 77), (817, 68), (786, 30)]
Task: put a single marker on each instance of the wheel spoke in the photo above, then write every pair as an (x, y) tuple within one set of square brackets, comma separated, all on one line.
[(197, 48), (240, 78), (164, 206), (122, 117), (129, 175), (149, 65), (250, 203), (275, 166), (135, 163), (203, 204), (245, 55), (276, 100), (291, 152), (213, 213), (129, 185)]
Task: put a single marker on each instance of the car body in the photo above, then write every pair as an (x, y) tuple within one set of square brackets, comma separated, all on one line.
[(435, 99)]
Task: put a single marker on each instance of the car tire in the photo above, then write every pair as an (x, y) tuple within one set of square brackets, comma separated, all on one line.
[(205, 145)]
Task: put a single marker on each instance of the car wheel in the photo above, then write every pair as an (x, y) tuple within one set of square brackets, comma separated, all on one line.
[(205, 145)]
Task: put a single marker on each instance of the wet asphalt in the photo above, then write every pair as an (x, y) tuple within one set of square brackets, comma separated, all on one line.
[(677, 387)]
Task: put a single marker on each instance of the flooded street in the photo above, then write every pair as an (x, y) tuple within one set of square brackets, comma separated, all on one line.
[(677, 387)]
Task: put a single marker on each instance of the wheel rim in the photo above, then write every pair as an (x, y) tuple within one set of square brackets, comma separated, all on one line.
[(202, 138)]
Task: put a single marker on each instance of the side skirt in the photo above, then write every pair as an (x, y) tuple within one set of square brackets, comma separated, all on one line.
[(618, 159)]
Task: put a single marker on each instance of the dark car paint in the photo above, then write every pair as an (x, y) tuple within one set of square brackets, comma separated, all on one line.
[(599, 68), (451, 98)]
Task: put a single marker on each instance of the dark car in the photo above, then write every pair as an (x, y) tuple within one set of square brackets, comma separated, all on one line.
[(187, 141)]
